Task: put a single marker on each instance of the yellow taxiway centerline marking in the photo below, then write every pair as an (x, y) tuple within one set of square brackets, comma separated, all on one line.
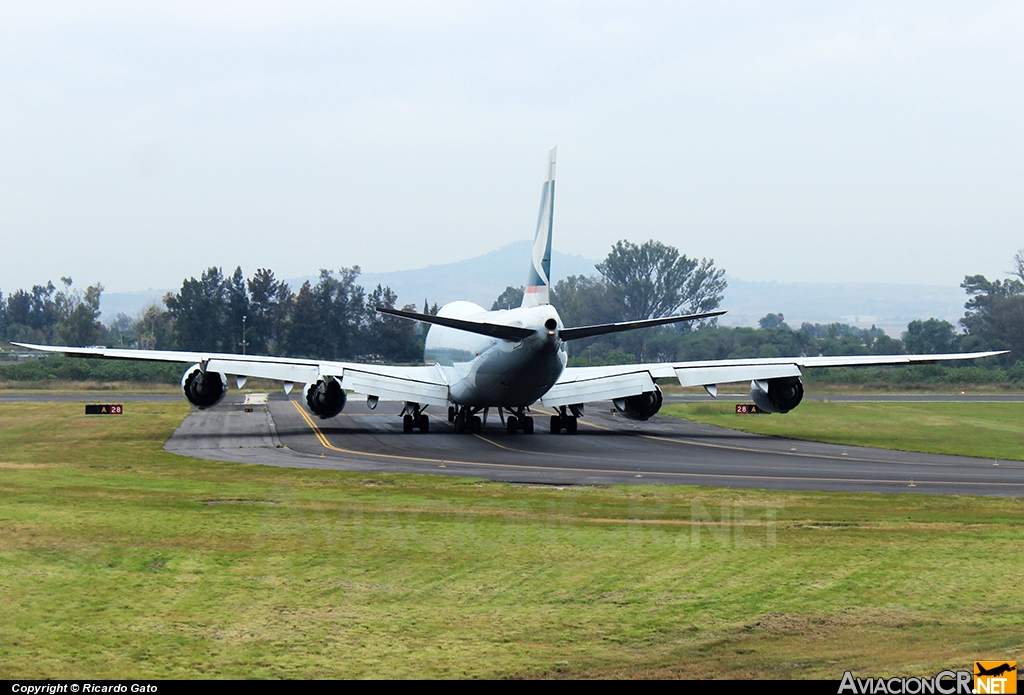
[(327, 445)]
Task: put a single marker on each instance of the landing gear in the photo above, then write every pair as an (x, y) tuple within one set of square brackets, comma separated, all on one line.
[(519, 421), (413, 418), (465, 420), (565, 420)]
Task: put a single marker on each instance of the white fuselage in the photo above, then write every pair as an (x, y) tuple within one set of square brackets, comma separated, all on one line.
[(484, 371)]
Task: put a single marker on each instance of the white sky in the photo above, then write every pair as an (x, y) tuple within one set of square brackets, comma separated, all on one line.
[(801, 141)]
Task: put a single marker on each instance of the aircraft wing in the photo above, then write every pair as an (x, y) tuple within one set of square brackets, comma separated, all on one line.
[(586, 384), (420, 384)]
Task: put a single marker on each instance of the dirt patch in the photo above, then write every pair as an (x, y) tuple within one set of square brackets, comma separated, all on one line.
[(783, 624)]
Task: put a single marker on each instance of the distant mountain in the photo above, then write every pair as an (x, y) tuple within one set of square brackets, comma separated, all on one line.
[(888, 306), (129, 303), (481, 279)]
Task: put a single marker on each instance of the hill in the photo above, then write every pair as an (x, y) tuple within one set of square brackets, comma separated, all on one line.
[(482, 279)]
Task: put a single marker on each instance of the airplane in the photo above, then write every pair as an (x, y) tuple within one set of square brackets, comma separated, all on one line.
[(995, 670), (511, 360)]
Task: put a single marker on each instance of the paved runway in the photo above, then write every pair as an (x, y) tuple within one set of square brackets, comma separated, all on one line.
[(100, 396), (868, 397), (608, 450)]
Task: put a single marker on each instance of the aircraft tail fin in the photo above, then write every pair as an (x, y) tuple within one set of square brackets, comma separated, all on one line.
[(539, 280)]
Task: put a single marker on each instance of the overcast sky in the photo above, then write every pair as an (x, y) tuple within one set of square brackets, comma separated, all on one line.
[(788, 141)]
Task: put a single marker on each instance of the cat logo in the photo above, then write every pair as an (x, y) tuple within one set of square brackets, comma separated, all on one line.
[(995, 677)]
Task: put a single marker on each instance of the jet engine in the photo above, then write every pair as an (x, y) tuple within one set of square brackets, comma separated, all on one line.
[(325, 397), (777, 395), (641, 407), (203, 389)]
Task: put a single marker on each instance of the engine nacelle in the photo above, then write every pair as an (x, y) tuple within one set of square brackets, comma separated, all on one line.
[(641, 407), (325, 397), (782, 394), (203, 389)]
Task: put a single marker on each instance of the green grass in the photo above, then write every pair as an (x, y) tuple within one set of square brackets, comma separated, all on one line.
[(120, 560), (985, 430)]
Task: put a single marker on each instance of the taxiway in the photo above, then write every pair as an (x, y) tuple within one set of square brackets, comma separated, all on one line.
[(609, 449)]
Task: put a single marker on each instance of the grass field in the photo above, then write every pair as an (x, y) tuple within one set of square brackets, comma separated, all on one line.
[(985, 430), (120, 560)]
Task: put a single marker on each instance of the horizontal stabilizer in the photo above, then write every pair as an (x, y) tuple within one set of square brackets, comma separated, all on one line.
[(605, 328), (493, 330)]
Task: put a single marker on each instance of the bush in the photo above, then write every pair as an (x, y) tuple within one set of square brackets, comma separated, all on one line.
[(917, 376), (60, 368)]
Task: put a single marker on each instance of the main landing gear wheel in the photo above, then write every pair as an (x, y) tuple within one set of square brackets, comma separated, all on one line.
[(451, 413), (415, 420), (465, 421), (563, 422), (514, 423)]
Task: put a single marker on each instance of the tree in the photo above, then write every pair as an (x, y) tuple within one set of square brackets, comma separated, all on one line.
[(703, 292), (121, 331), (583, 301), (198, 312), (302, 338), (771, 321), (19, 312), (46, 315), (511, 298), (269, 303), (155, 329), (389, 336), (931, 337), (236, 306), (79, 314), (327, 320), (18, 307), (339, 303), (995, 314), (43, 312), (654, 280)]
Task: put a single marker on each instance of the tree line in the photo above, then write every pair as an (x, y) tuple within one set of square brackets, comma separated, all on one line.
[(46, 314), (335, 318)]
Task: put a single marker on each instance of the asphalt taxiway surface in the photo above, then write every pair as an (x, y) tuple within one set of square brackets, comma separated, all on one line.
[(607, 450)]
